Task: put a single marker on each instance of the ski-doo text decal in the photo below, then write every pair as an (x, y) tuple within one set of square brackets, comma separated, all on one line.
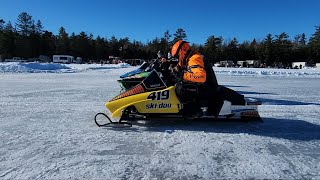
[(159, 106), (159, 95)]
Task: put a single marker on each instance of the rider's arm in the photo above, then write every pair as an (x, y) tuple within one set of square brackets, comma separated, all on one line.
[(195, 74), (195, 71)]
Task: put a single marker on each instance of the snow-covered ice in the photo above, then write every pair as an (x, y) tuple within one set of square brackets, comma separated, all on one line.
[(47, 129), (15, 67)]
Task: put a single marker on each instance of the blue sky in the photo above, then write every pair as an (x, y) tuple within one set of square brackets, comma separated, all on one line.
[(143, 20)]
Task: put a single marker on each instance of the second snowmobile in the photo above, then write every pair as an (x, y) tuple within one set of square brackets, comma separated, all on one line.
[(132, 78)]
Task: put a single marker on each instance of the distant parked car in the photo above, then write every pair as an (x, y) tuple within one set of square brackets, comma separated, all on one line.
[(63, 59), (16, 59)]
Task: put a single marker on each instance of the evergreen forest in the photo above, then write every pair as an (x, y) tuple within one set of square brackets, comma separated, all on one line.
[(28, 38)]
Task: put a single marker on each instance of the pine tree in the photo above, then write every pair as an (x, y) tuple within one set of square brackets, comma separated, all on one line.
[(244, 52), (47, 44), (212, 48), (268, 50), (314, 45), (2, 22), (299, 48), (296, 41), (114, 45), (303, 40), (253, 50), (124, 43), (7, 41), (35, 38), (299, 41), (63, 44), (154, 46), (25, 28), (283, 49), (101, 48), (39, 28), (24, 24), (180, 34), (2, 48), (231, 50), (166, 41), (82, 45), (167, 35)]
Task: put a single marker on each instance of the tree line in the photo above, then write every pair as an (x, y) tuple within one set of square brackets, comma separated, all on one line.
[(27, 38)]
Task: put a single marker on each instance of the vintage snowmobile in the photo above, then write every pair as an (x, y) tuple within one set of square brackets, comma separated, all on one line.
[(133, 80), (143, 68), (134, 77), (152, 99)]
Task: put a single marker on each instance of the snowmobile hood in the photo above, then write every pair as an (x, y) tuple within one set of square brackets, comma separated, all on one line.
[(138, 75), (136, 71), (158, 101), (131, 73)]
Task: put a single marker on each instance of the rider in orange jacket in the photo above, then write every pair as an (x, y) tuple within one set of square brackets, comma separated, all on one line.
[(193, 77), (191, 73), (191, 63)]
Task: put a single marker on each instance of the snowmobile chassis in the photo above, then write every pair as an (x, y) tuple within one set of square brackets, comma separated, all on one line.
[(152, 99)]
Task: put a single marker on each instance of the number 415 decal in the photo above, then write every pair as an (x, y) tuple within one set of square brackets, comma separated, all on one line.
[(159, 95)]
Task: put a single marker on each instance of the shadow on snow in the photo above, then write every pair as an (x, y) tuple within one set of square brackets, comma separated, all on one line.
[(277, 128), (258, 93), (283, 102)]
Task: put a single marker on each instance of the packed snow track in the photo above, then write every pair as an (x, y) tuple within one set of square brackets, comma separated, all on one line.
[(47, 131)]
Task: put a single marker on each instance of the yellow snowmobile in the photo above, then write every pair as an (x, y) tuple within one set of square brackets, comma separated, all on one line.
[(152, 99)]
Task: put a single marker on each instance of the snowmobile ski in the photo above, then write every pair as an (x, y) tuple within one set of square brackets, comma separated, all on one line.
[(119, 124)]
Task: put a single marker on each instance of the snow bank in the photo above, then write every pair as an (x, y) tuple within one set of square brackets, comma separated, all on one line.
[(15, 67), (312, 72)]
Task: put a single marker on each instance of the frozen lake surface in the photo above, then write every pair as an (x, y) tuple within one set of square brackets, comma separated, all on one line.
[(47, 129)]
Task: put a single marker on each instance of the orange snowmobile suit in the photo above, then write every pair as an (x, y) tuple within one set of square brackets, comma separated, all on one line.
[(195, 71)]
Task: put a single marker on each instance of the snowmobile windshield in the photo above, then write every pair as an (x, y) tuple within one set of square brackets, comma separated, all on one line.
[(153, 82), (136, 71), (154, 65), (144, 65)]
